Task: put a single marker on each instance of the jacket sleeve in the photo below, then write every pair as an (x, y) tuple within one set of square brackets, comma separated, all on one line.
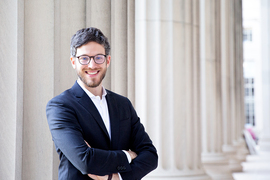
[(147, 158), (68, 138)]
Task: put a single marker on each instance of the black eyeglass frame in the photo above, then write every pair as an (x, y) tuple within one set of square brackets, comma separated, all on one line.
[(92, 57)]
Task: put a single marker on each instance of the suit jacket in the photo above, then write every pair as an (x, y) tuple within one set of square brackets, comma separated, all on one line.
[(74, 119)]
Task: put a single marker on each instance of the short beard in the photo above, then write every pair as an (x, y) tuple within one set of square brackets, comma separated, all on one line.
[(92, 85)]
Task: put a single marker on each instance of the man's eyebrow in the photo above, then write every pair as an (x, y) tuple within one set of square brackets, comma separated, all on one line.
[(91, 56)]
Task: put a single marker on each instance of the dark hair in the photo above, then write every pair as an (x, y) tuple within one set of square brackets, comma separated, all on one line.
[(87, 35)]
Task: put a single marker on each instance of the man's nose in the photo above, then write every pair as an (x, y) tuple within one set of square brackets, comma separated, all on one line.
[(92, 63)]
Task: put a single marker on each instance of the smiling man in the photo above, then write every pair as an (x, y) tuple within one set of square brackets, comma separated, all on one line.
[(96, 132)]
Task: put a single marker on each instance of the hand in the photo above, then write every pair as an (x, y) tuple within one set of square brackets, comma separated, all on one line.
[(115, 176), (96, 177), (132, 154)]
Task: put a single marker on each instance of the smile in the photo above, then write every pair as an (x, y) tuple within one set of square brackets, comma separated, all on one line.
[(91, 73)]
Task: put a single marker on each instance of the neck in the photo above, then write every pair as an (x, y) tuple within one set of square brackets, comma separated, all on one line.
[(97, 91)]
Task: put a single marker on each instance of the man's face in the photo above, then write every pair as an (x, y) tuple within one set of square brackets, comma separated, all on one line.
[(91, 74)]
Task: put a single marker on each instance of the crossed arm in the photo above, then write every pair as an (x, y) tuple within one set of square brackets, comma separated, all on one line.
[(115, 176), (68, 138)]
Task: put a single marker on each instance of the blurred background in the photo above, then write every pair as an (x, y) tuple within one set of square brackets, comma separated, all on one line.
[(196, 71)]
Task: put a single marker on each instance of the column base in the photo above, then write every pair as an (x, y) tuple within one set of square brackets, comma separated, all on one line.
[(234, 163), (242, 151), (198, 177), (216, 166), (186, 174), (235, 166)]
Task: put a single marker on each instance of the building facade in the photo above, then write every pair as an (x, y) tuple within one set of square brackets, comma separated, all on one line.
[(252, 57), (263, 96), (180, 63), (256, 68)]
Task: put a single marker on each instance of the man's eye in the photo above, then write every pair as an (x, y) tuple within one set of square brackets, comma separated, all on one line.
[(84, 58)]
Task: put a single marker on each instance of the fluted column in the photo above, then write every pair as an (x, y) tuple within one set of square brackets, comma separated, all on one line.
[(228, 83), (38, 88), (237, 108), (11, 88), (123, 44), (215, 162), (168, 84), (242, 151), (264, 141)]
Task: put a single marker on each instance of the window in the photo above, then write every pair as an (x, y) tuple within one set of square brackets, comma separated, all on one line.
[(247, 34), (249, 101)]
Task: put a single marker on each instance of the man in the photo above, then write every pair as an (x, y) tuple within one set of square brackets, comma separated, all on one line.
[(96, 132)]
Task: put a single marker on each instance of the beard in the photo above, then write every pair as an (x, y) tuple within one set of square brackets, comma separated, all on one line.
[(92, 83)]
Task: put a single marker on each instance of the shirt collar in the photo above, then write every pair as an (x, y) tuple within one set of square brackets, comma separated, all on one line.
[(104, 92)]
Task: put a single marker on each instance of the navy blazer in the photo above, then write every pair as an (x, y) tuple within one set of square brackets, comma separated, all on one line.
[(74, 119)]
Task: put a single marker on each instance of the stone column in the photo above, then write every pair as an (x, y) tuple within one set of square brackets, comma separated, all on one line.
[(264, 140), (228, 83), (168, 84), (215, 162), (238, 86), (11, 88), (242, 151), (123, 47), (38, 60)]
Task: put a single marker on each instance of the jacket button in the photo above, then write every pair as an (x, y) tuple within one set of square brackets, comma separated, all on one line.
[(121, 168)]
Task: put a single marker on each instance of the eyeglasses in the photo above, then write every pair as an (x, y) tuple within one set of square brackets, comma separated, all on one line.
[(99, 59)]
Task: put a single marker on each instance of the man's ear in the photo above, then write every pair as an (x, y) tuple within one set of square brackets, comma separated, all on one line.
[(72, 60), (108, 61)]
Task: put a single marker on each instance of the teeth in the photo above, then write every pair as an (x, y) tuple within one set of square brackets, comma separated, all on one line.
[(91, 73)]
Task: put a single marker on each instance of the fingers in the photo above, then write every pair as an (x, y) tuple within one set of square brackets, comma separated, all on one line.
[(95, 177), (87, 143), (115, 176), (132, 154)]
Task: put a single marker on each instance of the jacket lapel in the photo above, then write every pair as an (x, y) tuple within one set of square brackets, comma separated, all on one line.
[(87, 103), (114, 120)]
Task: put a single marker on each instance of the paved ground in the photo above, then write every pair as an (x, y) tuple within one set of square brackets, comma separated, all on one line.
[(256, 167)]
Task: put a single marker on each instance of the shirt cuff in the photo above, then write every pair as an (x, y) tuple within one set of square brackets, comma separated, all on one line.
[(128, 156), (120, 176)]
